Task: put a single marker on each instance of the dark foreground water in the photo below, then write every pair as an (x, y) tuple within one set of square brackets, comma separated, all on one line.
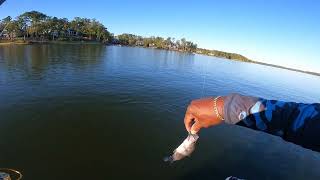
[(97, 112)]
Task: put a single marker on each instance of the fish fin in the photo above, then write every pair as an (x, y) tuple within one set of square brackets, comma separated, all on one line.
[(168, 159)]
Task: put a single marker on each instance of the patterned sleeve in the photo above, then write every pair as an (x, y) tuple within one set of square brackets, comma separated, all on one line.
[(295, 122)]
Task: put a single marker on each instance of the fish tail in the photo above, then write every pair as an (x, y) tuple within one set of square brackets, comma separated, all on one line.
[(168, 159)]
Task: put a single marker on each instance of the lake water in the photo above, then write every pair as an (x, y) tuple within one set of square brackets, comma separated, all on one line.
[(105, 112)]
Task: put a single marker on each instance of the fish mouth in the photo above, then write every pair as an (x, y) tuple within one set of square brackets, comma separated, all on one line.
[(194, 136), (169, 159)]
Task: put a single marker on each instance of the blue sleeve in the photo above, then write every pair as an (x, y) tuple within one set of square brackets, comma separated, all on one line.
[(295, 122)]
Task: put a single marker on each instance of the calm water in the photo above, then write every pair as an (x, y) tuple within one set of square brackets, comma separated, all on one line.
[(97, 112)]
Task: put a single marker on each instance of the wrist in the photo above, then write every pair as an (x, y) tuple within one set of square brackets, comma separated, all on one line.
[(221, 106), (218, 107)]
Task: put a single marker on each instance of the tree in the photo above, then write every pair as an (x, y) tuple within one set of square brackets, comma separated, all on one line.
[(168, 43), (33, 21), (159, 42), (6, 19), (54, 27), (90, 28), (12, 29), (183, 44), (23, 25), (128, 39), (4, 22), (147, 42), (178, 44)]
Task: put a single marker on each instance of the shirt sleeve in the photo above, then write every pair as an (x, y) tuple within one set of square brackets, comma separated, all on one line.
[(295, 122)]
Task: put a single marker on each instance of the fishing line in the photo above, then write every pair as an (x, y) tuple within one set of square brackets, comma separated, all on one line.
[(204, 72)]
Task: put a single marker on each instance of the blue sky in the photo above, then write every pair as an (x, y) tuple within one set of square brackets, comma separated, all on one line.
[(282, 32)]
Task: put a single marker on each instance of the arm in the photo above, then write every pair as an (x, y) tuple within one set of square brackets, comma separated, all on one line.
[(295, 122)]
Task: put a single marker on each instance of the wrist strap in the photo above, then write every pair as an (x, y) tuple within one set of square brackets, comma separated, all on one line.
[(215, 108)]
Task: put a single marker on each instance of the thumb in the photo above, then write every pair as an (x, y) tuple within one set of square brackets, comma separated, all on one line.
[(195, 128)]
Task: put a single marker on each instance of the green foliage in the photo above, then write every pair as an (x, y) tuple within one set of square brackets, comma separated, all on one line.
[(222, 54), (10, 26), (90, 29), (6, 19), (127, 39), (4, 22), (35, 24), (156, 42)]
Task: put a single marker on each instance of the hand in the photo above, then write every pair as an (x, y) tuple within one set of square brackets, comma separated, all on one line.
[(200, 114)]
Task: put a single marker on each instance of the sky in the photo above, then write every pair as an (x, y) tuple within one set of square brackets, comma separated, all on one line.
[(281, 32)]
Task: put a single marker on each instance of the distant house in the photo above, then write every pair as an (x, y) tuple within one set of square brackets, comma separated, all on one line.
[(199, 51), (6, 35), (72, 33), (55, 34), (115, 40), (174, 47), (139, 43)]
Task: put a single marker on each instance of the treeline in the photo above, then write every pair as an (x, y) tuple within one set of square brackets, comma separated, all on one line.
[(172, 44), (36, 25), (222, 54), (156, 42)]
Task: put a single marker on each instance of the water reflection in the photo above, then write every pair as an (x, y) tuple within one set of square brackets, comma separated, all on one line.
[(35, 59)]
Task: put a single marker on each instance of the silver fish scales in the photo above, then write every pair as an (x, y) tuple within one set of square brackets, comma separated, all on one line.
[(185, 149)]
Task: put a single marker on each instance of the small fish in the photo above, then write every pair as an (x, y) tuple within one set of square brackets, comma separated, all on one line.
[(185, 149)]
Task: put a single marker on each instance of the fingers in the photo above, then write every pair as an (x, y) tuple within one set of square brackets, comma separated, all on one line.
[(195, 127), (188, 121)]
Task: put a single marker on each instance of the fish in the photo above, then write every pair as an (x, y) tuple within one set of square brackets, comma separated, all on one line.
[(184, 150)]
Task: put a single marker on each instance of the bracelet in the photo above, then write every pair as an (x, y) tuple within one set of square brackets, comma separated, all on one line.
[(215, 108)]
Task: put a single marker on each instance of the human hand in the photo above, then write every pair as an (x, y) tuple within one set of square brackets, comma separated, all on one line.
[(200, 114)]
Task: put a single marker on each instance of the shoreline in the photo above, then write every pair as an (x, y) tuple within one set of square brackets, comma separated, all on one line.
[(27, 42)]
